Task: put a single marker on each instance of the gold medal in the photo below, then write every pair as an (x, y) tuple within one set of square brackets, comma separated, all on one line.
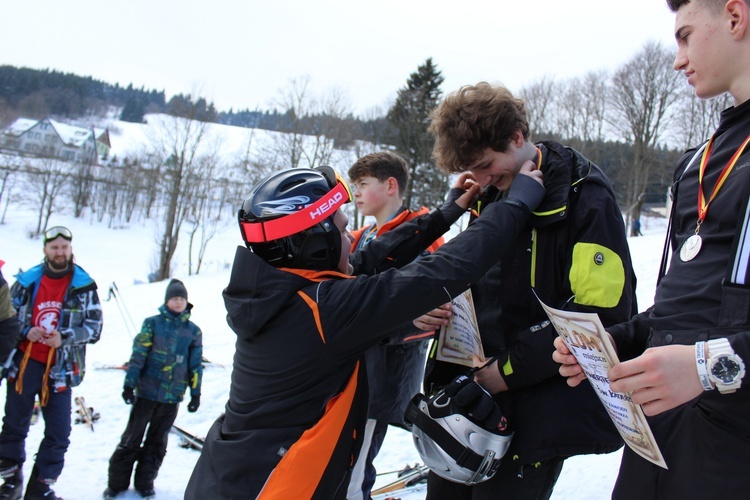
[(690, 248)]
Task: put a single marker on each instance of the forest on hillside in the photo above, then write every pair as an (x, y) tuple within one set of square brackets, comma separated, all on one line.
[(634, 123)]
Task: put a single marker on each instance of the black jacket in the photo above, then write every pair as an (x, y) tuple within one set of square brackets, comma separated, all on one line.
[(574, 255), (298, 400), (705, 442)]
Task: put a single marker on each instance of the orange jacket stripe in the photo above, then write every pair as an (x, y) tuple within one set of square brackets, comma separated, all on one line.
[(315, 276), (316, 313), (297, 475)]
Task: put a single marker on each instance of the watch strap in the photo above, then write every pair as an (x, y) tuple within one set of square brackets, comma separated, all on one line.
[(702, 366)]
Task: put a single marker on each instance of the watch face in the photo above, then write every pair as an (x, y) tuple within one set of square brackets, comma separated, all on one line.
[(725, 369)]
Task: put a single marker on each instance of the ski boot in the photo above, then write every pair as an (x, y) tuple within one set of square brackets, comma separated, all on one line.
[(39, 489), (110, 493), (147, 493), (12, 474)]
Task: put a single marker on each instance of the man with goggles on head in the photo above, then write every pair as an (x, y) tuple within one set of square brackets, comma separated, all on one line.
[(60, 313)]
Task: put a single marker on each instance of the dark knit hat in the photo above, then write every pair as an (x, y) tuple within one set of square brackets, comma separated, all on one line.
[(175, 289)]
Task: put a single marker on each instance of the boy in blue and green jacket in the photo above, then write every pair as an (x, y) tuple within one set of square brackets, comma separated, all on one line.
[(166, 360)]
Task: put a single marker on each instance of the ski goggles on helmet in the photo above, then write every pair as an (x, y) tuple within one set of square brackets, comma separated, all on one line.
[(306, 217), (57, 231)]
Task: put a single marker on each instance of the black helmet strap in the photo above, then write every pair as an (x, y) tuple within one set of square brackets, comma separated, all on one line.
[(464, 457)]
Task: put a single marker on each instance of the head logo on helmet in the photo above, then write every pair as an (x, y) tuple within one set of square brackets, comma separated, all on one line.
[(288, 218)]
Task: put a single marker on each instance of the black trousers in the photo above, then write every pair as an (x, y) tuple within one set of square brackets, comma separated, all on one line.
[(158, 417), (511, 482)]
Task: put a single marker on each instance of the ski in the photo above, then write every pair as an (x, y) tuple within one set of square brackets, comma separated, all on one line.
[(396, 494), (85, 413), (410, 479), (123, 366), (188, 440)]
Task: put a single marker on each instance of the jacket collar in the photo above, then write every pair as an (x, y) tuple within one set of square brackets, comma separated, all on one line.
[(561, 172), (80, 277)]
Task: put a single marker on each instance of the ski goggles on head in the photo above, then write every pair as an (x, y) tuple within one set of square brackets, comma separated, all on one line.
[(57, 231), (305, 218)]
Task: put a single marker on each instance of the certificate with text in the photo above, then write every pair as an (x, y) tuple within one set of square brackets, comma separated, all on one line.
[(459, 341), (586, 338)]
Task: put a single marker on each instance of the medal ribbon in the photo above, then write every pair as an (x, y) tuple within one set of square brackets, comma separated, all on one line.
[(702, 203)]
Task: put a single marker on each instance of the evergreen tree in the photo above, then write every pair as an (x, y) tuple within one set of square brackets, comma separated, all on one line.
[(133, 110), (409, 118)]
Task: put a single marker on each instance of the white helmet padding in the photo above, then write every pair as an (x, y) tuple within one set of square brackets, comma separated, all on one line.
[(451, 444)]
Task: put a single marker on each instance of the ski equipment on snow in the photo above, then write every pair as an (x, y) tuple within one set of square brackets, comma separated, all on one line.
[(86, 414), (410, 479), (188, 440)]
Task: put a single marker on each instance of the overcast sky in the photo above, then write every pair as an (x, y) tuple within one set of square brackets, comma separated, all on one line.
[(240, 53)]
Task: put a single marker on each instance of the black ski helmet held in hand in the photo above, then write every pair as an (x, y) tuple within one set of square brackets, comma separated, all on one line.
[(459, 432), (288, 218)]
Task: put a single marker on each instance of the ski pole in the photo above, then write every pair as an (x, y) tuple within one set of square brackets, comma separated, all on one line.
[(126, 317)]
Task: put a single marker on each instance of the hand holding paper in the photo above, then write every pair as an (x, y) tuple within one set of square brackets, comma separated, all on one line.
[(570, 368), (594, 357), (659, 379)]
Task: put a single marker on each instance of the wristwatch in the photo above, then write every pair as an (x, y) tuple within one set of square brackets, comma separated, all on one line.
[(725, 368)]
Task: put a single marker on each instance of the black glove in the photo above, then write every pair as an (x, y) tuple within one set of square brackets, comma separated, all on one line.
[(478, 403), (128, 396), (194, 403)]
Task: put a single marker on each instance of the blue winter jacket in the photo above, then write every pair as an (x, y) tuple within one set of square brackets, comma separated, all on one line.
[(166, 357), (80, 322)]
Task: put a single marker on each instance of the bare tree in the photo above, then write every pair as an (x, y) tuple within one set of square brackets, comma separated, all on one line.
[(8, 171), (539, 97), (204, 218), (327, 127), (642, 92), (81, 184), (697, 118), (295, 100), (580, 107), (47, 178), (177, 144), (312, 125)]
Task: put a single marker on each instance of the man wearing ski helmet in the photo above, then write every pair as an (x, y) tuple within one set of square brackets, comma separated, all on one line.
[(298, 399)]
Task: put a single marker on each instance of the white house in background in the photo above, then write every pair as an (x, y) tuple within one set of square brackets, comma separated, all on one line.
[(50, 137)]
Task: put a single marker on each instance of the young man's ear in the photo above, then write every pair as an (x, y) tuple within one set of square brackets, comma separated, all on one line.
[(518, 139), (737, 11), (392, 186)]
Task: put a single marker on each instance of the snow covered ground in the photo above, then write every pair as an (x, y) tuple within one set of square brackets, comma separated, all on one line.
[(125, 256)]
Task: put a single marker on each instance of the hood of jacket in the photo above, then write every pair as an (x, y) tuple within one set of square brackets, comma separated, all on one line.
[(80, 277), (257, 291), (564, 169)]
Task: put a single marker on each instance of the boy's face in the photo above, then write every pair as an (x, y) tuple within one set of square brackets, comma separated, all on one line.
[(704, 50), (177, 304), (341, 221), (497, 168), (371, 195)]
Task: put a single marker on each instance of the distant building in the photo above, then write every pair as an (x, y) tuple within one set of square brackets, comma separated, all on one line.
[(52, 138)]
